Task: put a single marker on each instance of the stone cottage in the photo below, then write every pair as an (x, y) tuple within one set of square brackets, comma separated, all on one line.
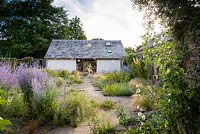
[(76, 55)]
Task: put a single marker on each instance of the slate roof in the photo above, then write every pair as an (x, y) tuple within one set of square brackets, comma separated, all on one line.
[(85, 49)]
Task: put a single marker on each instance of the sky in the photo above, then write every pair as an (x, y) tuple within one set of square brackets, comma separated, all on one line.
[(107, 19)]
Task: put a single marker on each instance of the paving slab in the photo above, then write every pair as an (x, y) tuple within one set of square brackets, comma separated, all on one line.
[(61, 130)]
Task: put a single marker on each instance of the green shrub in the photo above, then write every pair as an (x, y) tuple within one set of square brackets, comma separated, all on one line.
[(59, 81), (3, 97), (107, 105), (47, 105), (121, 115), (98, 84), (16, 106), (74, 79), (94, 103), (117, 89), (124, 119), (117, 77), (76, 108), (111, 78), (52, 72), (139, 69), (102, 124), (152, 124), (63, 73), (3, 122)]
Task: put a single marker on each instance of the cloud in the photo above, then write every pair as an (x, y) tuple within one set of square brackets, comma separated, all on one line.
[(107, 19)]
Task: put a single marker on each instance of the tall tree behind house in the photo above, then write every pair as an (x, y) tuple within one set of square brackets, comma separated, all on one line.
[(29, 26)]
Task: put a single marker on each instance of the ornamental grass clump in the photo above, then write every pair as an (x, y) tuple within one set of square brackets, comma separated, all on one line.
[(60, 81), (74, 79), (63, 73), (116, 77), (107, 105), (46, 105), (140, 103), (79, 108), (118, 89), (15, 106), (74, 109), (139, 83), (112, 78), (102, 124)]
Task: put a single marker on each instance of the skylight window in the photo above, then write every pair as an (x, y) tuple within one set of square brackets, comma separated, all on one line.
[(88, 45), (108, 44), (109, 51)]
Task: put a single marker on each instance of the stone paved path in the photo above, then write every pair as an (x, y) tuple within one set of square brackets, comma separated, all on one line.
[(97, 95), (88, 88)]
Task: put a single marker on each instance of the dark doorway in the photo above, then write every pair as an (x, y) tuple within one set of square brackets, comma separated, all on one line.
[(82, 65)]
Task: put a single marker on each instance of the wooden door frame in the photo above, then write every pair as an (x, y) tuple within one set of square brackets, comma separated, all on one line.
[(80, 64)]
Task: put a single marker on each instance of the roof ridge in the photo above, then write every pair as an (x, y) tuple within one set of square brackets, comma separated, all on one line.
[(82, 40)]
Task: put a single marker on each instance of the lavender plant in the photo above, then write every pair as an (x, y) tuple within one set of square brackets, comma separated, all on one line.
[(7, 77), (34, 95), (33, 78), (40, 81), (24, 79)]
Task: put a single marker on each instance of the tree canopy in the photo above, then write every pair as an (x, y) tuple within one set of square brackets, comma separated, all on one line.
[(182, 17), (76, 30), (178, 109), (27, 27)]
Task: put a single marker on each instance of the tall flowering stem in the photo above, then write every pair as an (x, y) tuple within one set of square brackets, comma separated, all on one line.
[(8, 78), (31, 80)]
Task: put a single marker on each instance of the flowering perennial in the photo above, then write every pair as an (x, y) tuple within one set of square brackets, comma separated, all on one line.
[(24, 76)]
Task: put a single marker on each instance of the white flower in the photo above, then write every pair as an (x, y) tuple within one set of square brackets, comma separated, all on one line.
[(137, 91), (10, 99), (1, 118), (169, 100), (138, 107), (140, 114), (168, 71), (143, 117)]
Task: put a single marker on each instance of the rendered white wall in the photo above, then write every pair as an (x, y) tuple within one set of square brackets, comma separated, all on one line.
[(108, 66), (69, 65)]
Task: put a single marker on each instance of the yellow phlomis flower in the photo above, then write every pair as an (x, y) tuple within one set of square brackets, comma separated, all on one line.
[(155, 77), (136, 61)]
